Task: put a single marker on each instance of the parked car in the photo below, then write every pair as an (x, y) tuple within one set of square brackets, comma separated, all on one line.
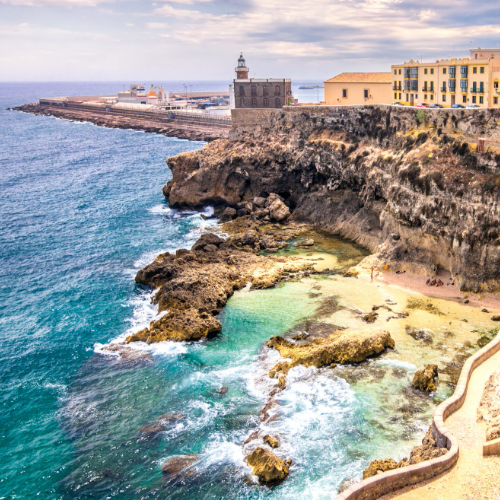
[(458, 106), (397, 104), (422, 105), (433, 105), (473, 106)]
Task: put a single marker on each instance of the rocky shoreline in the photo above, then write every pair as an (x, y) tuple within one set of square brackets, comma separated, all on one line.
[(191, 132)]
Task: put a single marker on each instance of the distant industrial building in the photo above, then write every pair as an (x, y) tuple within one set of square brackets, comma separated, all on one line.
[(358, 88), (260, 92), (472, 80)]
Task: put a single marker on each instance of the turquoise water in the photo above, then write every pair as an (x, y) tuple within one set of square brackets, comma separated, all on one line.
[(81, 212)]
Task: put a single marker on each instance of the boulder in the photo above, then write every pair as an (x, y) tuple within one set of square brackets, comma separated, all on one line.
[(272, 442), (378, 466), (207, 239), (227, 215), (305, 243), (495, 318), (259, 202), (339, 347), (179, 465), (278, 211), (267, 466), (424, 379)]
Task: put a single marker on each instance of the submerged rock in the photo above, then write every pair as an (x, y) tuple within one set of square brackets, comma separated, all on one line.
[(424, 379), (180, 465), (339, 347), (370, 317), (267, 466)]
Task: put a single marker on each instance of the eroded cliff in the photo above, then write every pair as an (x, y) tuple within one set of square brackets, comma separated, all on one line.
[(407, 184)]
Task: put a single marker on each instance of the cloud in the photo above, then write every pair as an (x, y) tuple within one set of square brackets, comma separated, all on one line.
[(426, 15), (156, 26), (129, 25), (193, 15), (55, 3)]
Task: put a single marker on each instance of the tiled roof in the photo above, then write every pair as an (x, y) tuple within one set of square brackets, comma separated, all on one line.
[(361, 78)]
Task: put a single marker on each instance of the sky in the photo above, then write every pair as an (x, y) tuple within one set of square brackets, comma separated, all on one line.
[(129, 40)]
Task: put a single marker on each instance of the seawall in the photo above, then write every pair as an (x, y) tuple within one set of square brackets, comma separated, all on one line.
[(172, 124)]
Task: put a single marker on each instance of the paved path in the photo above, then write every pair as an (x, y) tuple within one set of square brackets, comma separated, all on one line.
[(473, 477)]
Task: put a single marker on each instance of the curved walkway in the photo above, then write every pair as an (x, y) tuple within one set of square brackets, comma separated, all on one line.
[(473, 477)]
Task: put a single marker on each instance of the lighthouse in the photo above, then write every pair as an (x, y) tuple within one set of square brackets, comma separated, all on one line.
[(241, 69)]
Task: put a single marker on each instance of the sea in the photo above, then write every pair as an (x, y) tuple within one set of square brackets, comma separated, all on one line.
[(81, 212)]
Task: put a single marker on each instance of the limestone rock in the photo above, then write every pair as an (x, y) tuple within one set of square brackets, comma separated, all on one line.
[(267, 466), (272, 442), (424, 379), (281, 382), (378, 466), (339, 347), (278, 211), (427, 451)]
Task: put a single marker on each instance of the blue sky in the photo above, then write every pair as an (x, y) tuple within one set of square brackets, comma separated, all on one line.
[(50, 40)]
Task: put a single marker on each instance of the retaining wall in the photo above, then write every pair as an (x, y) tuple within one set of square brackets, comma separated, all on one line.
[(387, 482)]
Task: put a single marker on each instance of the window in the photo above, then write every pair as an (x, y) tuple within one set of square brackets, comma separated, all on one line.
[(443, 89), (444, 71), (366, 93), (475, 56), (425, 71), (395, 71), (444, 97), (395, 95), (266, 102), (265, 90), (254, 101), (495, 84), (277, 90), (463, 85), (407, 99), (414, 85), (432, 87), (414, 72), (464, 99), (432, 97), (432, 71), (451, 85), (474, 69), (474, 99), (464, 70), (399, 71), (481, 87), (482, 70), (425, 87), (399, 96), (495, 100), (254, 90), (425, 97), (242, 90), (277, 102), (242, 102), (481, 99), (452, 71), (344, 93)]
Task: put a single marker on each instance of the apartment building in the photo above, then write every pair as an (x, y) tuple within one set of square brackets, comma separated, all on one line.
[(471, 80)]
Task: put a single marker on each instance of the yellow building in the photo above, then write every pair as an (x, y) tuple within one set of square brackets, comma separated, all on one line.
[(358, 88), (471, 80)]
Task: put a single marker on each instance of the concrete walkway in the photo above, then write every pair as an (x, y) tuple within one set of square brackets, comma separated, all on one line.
[(473, 477)]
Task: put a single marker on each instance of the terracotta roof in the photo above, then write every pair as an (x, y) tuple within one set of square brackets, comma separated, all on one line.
[(361, 78)]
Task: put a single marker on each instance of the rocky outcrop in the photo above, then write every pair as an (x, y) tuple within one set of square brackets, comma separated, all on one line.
[(272, 442), (406, 185), (489, 407), (425, 379), (379, 466), (339, 347), (267, 466), (193, 285)]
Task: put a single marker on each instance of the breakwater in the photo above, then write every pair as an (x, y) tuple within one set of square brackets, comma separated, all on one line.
[(172, 124)]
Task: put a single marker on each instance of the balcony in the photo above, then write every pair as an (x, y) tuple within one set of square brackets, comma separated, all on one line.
[(474, 90)]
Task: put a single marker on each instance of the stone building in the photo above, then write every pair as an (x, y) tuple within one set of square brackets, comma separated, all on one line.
[(260, 92)]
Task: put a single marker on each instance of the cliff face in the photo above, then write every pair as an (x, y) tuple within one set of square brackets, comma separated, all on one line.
[(405, 183)]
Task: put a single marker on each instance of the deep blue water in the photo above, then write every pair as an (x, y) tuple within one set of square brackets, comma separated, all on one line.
[(80, 205)]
